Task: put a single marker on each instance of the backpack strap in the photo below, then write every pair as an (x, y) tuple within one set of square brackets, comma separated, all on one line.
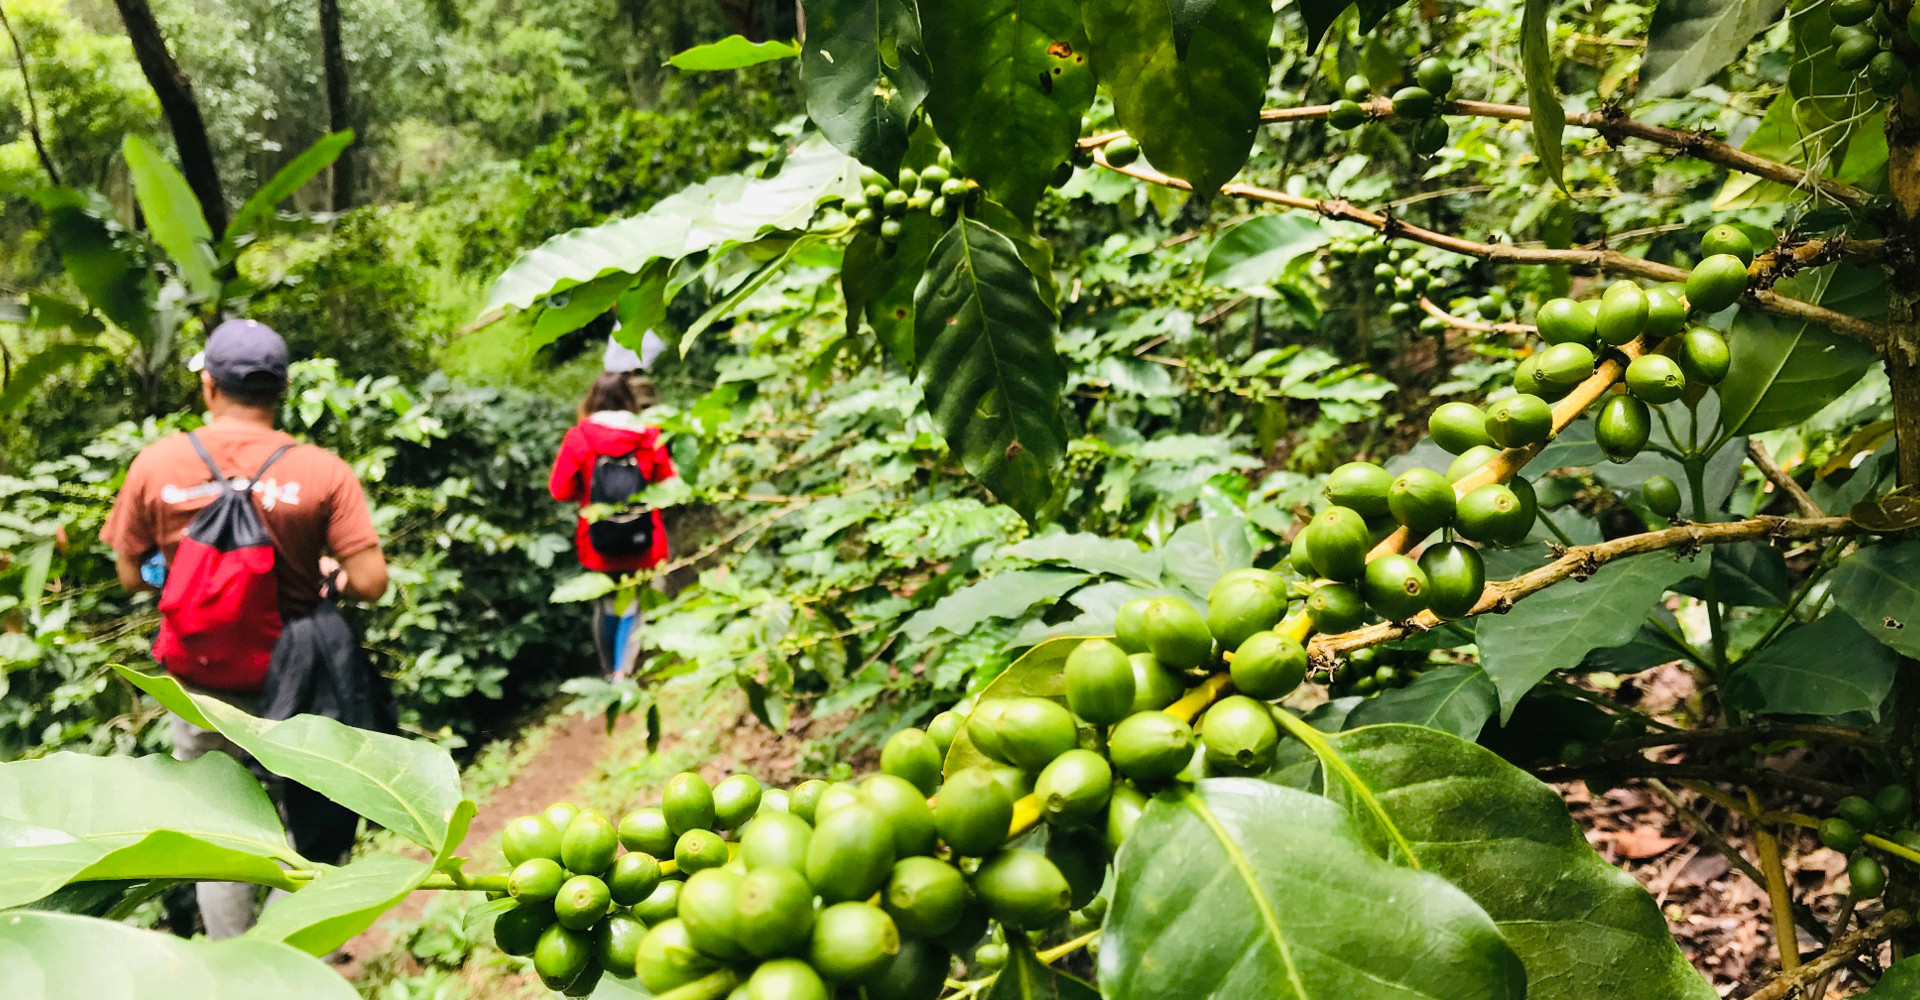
[(275, 457), (207, 457)]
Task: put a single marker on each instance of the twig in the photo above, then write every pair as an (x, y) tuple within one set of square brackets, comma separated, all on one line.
[(1840, 922), (1838, 954), (33, 103), (1476, 325), (1689, 773), (1744, 734), (1778, 477), (1581, 561), (1699, 823), (1609, 261), (1768, 848)]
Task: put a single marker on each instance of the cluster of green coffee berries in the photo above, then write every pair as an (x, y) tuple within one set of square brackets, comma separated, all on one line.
[(1378, 669), (1863, 40), (1397, 278), (883, 203), (1420, 104), (1887, 815)]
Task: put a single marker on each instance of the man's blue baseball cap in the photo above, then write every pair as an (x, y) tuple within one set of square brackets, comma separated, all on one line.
[(244, 354)]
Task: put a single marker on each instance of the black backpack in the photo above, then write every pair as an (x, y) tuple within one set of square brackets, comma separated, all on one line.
[(628, 531)]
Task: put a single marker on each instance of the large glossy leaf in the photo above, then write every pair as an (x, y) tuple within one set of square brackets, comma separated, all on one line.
[(1784, 371), (1093, 553), (1320, 15), (1039, 673), (1751, 574), (1582, 927), (173, 214), (340, 903), (57, 956), (1010, 82), (1194, 115), (983, 340), (408, 786), (71, 817), (1556, 628), (107, 266), (1208, 549), (1901, 982), (1025, 977), (1253, 255), (1457, 699), (1693, 40), (1799, 673), (1880, 587), (861, 77), (1241, 888), (878, 279), (1536, 61), (714, 214), (1003, 595), (284, 183), (732, 52)]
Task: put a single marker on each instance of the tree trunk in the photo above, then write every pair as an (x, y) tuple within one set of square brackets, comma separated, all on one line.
[(33, 104), (339, 116), (175, 92)]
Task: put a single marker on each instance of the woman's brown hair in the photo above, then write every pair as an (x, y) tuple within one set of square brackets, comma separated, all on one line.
[(611, 391)]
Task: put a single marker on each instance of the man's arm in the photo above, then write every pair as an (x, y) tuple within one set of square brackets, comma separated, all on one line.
[(363, 575), (127, 568)]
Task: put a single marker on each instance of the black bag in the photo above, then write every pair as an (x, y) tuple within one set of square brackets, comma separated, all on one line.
[(628, 531), (319, 669)]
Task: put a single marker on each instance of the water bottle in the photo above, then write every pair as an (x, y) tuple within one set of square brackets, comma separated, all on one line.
[(154, 570)]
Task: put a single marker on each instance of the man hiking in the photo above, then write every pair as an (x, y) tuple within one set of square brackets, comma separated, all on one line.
[(191, 513)]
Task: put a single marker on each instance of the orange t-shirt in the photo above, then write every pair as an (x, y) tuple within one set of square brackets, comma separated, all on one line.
[(309, 500)]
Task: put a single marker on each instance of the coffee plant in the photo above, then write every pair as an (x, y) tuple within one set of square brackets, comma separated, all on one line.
[(1154, 799)]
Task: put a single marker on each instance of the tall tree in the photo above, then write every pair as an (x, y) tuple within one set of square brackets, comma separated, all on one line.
[(334, 60), (175, 91)]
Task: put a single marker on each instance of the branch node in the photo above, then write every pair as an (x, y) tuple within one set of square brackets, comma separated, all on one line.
[(1585, 567), (1556, 550)]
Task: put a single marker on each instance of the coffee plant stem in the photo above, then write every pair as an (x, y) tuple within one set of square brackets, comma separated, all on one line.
[(1476, 325), (1689, 816), (1609, 261), (1058, 952), (1840, 922), (1580, 562), (1779, 478), (1333, 763), (124, 909), (1696, 466), (1717, 771), (1614, 126), (1838, 954), (1882, 843), (1781, 904), (1739, 735)]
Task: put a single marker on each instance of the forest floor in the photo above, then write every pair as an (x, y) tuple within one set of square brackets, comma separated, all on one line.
[(422, 951)]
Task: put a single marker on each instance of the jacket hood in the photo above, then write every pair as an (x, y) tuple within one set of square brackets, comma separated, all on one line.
[(609, 439)]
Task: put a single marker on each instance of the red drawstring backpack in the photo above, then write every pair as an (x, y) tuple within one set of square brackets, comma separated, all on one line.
[(220, 609)]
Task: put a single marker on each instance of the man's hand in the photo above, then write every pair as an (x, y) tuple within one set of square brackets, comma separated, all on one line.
[(360, 577), (127, 568)]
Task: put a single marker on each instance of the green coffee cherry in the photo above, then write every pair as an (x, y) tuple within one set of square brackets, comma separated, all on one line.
[(1422, 500), (913, 755), (1239, 735), (1396, 587), (1656, 378), (1458, 426), (1661, 496), (1151, 746)]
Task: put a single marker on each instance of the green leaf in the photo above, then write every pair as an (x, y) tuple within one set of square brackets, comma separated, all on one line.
[(1536, 61), (1556, 628), (715, 214), (284, 183), (585, 587), (341, 903), (1003, 595), (983, 340), (1093, 553), (1802, 126), (1691, 41), (57, 956), (1194, 115), (1010, 82), (1040, 672), (1784, 371), (1582, 927), (1240, 888), (878, 280), (46, 312), (1901, 982), (1750, 574), (45, 364), (577, 307), (1798, 673), (732, 52), (173, 214), (411, 787), (1457, 700), (862, 79), (1320, 15), (70, 817), (109, 268), (732, 300), (1206, 550), (1025, 977), (1879, 585), (1253, 255)]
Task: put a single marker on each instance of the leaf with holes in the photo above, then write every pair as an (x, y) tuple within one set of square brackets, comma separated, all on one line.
[(1880, 587), (1195, 115), (1692, 40), (1536, 61), (983, 344), (1582, 927), (1209, 902), (862, 80), (1010, 82)]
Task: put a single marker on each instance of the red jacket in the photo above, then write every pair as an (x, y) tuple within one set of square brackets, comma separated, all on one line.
[(572, 476)]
